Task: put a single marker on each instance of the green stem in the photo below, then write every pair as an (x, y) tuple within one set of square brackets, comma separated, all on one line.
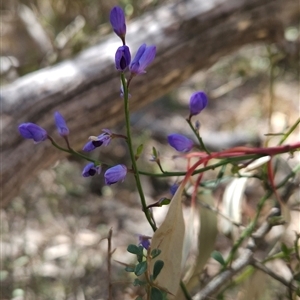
[(132, 155), (248, 231), (286, 135), (199, 138)]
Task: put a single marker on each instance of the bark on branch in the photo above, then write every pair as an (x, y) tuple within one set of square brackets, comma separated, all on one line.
[(190, 35)]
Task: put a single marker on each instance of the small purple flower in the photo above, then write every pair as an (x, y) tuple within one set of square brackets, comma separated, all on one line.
[(198, 102), (142, 59), (90, 170), (174, 188), (115, 174), (180, 142), (144, 241), (61, 124), (122, 58), (117, 21), (97, 141), (33, 131)]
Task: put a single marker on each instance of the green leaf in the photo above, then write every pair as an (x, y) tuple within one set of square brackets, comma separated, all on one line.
[(138, 282), (155, 253), (286, 251), (154, 152), (139, 298), (134, 249), (140, 255), (164, 201), (140, 268), (129, 269), (156, 294), (139, 151), (216, 255), (159, 264)]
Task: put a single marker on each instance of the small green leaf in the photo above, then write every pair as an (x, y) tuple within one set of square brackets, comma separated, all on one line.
[(139, 151), (286, 251), (159, 264), (138, 282), (134, 249), (164, 201), (155, 253), (156, 294), (140, 268), (154, 152), (216, 255), (129, 269), (140, 255)]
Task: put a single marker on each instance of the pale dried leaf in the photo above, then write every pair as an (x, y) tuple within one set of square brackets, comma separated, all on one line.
[(169, 239)]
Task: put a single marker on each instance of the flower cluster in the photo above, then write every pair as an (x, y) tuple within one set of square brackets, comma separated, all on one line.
[(145, 54)]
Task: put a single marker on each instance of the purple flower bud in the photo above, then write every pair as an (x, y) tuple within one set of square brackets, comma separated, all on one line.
[(144, 241), (115, 174), (61, 124), (33, 131), (97, 141), (180, 142), (90, 170), (122, 58), (117, 21), (142, 59), (198, 102)]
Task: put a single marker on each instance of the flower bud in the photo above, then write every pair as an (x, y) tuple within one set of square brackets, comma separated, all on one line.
[(33, 131), (115, 174), (180, 142), (61, 124), (198, 102), (117, 20)]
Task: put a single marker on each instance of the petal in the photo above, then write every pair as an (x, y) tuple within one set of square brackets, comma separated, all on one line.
[(90, 170), (148, 57)]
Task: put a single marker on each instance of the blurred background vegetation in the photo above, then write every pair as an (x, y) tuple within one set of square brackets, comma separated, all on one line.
[(53, 234)]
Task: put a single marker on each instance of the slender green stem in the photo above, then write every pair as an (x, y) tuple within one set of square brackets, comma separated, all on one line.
[(71, 151), (286, 135), (132, 155), (199, 138), (248, 231), (185, 291)]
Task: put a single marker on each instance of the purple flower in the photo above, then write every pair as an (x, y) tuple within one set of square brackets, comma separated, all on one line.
[(122, 58), (115, 174), (61, 124), (33, 131), (144, 241), (198, 102), (174, 188), (180, 142), (90, 170), (142, 59), (117, 21), (97, 141)]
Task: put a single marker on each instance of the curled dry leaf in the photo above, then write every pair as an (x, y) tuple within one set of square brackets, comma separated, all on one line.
[(169, 239)]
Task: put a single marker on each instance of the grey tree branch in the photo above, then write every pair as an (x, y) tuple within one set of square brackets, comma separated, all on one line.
[(190, 36)]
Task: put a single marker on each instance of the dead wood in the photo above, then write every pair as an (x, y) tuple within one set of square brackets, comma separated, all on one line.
[(190, 36)]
